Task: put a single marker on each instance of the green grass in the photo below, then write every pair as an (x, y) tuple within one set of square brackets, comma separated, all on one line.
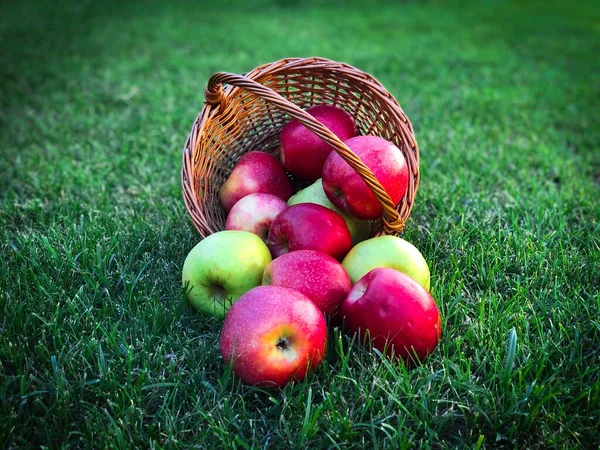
[(99, 349)]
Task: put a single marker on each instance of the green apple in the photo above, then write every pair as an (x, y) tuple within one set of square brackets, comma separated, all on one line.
[(387, 251), (222, 267), (359, 229)]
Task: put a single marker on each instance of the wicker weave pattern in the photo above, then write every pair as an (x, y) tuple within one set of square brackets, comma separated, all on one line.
[(249, 112)]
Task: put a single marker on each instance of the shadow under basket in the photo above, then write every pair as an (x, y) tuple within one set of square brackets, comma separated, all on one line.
[(244, 113)]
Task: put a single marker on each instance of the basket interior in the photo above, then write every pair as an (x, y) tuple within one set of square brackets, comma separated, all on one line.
[(249, 123)]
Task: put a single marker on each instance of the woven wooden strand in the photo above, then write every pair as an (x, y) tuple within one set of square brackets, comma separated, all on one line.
[(214, 95)]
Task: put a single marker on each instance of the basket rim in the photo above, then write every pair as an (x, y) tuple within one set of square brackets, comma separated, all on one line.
[(272, 69)]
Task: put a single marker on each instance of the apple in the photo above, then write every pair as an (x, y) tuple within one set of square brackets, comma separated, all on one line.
[(302, 152), (273, 335), (395, 312), (359, 229), (255, 213), (315, 274), (387, 251), (221, 267), (346, 189), (256, 172), (308, 226)]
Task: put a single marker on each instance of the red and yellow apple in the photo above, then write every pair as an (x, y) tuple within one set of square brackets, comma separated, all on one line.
[(302, 152), (387, 251), (395, 312), (255, 172), (308, 226), (255, 213), (346, 189), (315, 274), (273, 335)]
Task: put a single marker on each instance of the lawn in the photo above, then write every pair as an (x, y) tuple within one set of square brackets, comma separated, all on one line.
[(98, 348)]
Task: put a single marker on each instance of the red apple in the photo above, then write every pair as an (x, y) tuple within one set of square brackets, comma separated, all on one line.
[(255, 213), (256, 172), (400, 315), (315, 274), (273, 335), (346, 189), (302, 152), (308, 226)]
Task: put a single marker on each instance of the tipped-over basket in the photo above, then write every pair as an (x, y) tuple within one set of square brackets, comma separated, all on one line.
[(246, 112)]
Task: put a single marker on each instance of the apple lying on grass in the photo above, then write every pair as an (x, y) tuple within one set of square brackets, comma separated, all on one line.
[(308, 226), (395, 313), (221, 267), (302, 152), (346, 189), (255, 213), (315, 274), (273, 335), (387, 251), (359, 229), (255, 172)]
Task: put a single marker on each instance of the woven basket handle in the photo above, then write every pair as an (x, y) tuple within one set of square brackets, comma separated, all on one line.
[(214, 95)]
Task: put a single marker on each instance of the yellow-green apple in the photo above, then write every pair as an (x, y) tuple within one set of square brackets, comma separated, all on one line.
[(255, 213), (255, 172), (221, 267), (308, 226), (359, 229), (315, 274), (302, 152), (395, 312), (273, 335), (346, 189), (387, 251)]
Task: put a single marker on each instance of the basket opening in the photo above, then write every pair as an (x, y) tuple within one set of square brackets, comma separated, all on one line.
[(249, 123)]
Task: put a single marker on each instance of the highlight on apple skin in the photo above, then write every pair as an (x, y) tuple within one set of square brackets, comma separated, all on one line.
[(255, 213), (222, 267), (346, 189), (302, 152), (273, 335), (315, 274), (395, 313), (359, 229), (308, 226), (387, 251), (255, 172)]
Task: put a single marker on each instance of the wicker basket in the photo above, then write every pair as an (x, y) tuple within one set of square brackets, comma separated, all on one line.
[(249, 112)]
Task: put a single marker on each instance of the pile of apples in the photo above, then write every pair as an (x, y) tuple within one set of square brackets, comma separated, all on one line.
[(286, 262)]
